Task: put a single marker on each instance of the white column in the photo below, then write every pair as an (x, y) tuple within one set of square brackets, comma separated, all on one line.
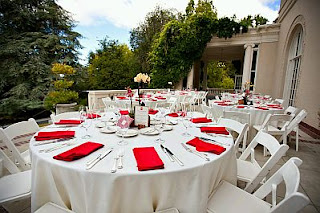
[(205, 76), (190, 78), (247, 63)]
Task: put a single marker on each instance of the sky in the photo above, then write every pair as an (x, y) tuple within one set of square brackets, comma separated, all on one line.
[(97, 19)]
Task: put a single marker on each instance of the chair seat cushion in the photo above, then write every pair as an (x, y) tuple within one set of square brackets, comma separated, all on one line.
[(15, 186), (247, 171), (52, 208), (229, 198)]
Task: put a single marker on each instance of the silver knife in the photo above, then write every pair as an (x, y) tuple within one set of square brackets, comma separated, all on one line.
[(194, 152), (99, 159), (164, 150), (174, 157), (213, 141), (52, 141)]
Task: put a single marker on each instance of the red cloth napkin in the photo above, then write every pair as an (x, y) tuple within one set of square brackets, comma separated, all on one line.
[(147, 158), (174, 114), (263, 108), (200, 120), (240, 107), (69, 122), (124, 112), (273, 105), (152, 111), (160, 97), (42, 136), (215, 129), (122, 97), (79, 151), (223, 104), (202, 146), (93, 115)]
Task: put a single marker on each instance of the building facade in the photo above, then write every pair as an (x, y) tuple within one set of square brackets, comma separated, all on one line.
[(281, 59)]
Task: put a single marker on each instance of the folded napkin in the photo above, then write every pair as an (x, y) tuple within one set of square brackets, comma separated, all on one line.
[(152, 111), (200, 120), (160, 97), (79, 151), (66, 121), (263, 108), (219, 102), (122, 97), (92, 115), (54, 135), (273, 105), (202, 146), (240, 107), (147, 158), (214, 129), (124, 112), (174, 114), (223, 104)]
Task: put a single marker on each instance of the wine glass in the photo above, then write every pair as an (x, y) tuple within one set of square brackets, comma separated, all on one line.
[(159, 127), (86, 124), (123, 131), (186, 124)]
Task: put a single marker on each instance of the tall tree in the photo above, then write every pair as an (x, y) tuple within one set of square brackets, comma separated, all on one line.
[(113, 66), (34, 34), (142, 37)]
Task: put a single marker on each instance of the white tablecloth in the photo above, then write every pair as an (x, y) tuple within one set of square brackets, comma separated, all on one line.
[(187, 187)]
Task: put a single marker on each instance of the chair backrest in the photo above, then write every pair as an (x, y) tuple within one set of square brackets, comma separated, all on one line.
[(206, 110), (8, 164), (276, 151), (276, 120), (241, 129), (296, 120), (217, 97), (242, 117), (280, 101), (291, 110), (216, 111), (65, 115), (293, 201)]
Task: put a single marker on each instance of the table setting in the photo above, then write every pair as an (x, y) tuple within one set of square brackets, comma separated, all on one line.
[(130, 172)]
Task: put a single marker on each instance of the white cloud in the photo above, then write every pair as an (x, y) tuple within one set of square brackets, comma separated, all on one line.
[(128, 13)]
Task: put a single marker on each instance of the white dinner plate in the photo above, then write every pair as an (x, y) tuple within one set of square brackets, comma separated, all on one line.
[(130, 133), (167, 127), (109, 130), (149, 131), (100, 125)]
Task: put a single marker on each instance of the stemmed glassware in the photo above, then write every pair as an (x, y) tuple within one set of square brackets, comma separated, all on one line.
[(86, 123), (159, 127), (123, 131)]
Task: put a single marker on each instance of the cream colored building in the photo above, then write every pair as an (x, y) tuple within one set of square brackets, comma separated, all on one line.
[(281, 59)]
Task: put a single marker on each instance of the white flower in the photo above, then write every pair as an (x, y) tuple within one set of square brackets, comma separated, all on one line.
[(144, 78)]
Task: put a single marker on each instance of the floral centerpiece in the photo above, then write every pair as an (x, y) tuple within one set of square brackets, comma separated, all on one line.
[(141, 79)]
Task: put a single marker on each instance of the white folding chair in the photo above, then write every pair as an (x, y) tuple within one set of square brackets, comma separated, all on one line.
[(15, 186), (52, 208), (280, 101), (228, 198), (20, 132), (291, 110), (217, 112), (151, 104), (242, 117), (207, 111), (272, 126), (65, 115), (250, 171), (239, 128), (294, 126)]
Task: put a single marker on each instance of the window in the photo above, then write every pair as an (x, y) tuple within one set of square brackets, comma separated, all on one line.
[(254, 67), (293, 70)]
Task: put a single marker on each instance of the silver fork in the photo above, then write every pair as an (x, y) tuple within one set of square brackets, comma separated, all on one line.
[(114, 167), (120, 156)]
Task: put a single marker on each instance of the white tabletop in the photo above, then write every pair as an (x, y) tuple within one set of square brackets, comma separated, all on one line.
[(186, 187)]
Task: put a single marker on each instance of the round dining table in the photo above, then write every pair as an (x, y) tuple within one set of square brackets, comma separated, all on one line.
[(97, 190)]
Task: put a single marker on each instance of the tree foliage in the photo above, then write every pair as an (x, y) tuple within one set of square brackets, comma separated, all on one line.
[(113, 66), (142, 37), (221, 77), (34, 34), (183, 40)]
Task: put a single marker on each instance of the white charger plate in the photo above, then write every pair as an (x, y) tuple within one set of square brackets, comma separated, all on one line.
[(109, 130), (149, 131), (130, 133)]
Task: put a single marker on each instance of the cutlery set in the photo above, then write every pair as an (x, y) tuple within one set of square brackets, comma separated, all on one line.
[(213, 141), (171, 156), (118, 161), (202, 155), (94, 161), (58, 146)]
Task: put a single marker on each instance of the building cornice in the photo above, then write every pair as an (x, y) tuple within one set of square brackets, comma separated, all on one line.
[(262, 34), (285, 8)]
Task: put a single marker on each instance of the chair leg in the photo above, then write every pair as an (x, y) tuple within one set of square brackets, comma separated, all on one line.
[(297, 138)]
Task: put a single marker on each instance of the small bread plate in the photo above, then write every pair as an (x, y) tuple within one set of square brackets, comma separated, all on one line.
[(149, 131), (109, 130), (130, 133)]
